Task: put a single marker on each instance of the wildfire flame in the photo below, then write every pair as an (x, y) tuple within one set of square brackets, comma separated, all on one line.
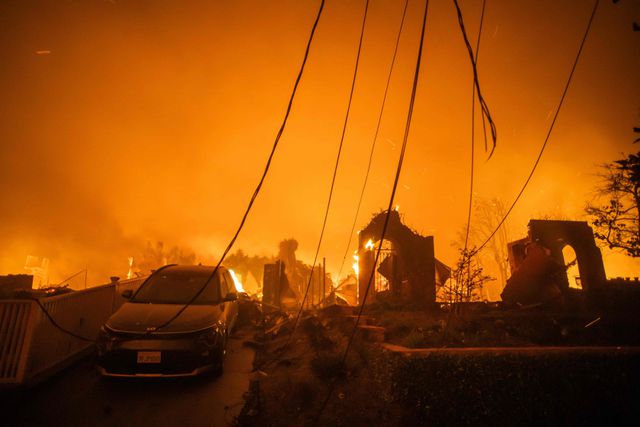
[(369, 245), (130, 272), (236, 281), (355, 267)]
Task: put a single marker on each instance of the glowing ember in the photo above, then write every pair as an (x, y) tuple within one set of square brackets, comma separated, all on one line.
[(236, 281), (369, 245)]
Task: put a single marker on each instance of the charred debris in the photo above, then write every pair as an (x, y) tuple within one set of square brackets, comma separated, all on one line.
[(404, 312), (410, 359), (408, 276)]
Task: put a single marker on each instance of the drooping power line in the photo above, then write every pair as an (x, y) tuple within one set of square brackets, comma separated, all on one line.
[(553, 122), (483, 104), (391, 200), (335, 169), (251, 200), (375, 138), (264, 173), (473, 132)]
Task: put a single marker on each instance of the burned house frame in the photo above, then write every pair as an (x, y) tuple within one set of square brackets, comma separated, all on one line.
[(409, 265)]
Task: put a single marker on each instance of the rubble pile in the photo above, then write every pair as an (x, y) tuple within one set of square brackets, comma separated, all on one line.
[(295, 370), (416, 381)]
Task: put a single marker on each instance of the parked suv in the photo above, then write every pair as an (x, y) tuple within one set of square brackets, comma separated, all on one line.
[(131, 344)]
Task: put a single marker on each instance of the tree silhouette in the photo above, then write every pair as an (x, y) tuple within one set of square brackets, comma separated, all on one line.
[(617, 220)]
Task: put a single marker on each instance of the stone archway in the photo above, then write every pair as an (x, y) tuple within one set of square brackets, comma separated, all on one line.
[(555, 235)]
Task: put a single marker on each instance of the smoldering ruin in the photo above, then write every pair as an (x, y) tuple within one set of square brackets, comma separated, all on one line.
[(319, 213)]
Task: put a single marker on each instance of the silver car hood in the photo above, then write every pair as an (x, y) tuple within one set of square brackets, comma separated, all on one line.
[(142, 317)]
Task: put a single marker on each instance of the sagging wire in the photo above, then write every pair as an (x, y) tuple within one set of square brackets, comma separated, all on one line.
[(546, 140), (375, 138), (481, 101), (473, 130), (335, 170), (251, 201), (390, 207), (46, 313), (264, 174), (473, 153), (54, 323)]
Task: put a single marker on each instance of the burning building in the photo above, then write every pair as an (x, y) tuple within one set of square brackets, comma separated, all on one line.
[(407, 267)]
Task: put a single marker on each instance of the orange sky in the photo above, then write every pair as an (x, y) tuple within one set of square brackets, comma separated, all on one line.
[(152, 120)]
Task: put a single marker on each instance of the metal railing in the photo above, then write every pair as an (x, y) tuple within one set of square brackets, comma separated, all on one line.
[(31, 346), (81, 312), (14, 328)]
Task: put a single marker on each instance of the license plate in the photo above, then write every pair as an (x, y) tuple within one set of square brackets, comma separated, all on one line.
[(149, 357)]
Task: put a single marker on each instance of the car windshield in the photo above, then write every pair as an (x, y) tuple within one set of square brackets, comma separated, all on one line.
[(178, 286)]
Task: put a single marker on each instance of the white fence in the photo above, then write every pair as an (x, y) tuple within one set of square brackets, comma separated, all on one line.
[(15, 317), (31, 346)]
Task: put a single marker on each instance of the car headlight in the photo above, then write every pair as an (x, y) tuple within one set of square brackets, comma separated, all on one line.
[(209, 337)]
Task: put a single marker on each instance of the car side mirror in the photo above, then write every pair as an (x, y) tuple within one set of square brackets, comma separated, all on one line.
[(127, 294), (231, 296)]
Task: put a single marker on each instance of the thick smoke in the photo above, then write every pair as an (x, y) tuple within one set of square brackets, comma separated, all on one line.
[(123, 123)]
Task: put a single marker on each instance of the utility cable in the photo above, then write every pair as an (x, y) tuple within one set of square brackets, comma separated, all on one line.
[(375, 138), (472, 165), (264, 174), (484, 131), (391, 199), (335, 169), (553, 122), (52, 320), (57, 325), (483, 104), (251, 201), (473, 131)]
